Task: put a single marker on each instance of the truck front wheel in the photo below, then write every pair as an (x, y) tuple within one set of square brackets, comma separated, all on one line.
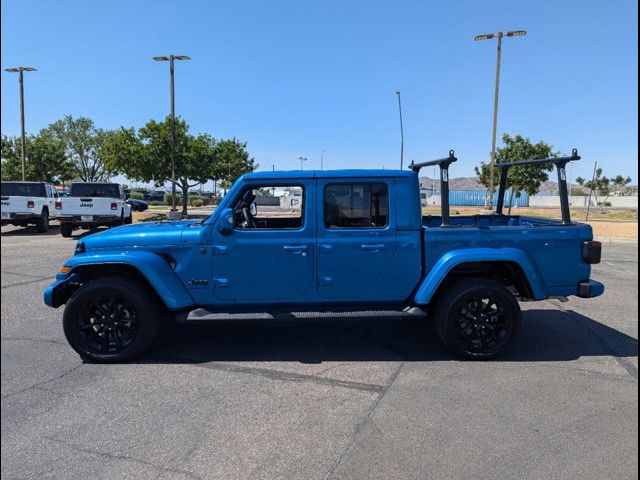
[(477, 318), (111, 319)]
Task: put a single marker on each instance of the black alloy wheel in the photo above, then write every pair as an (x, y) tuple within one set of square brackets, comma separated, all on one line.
[(111, 319), (477, 318), (108, 324)]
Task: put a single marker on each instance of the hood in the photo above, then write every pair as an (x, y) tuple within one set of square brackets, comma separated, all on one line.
[(139, 234)]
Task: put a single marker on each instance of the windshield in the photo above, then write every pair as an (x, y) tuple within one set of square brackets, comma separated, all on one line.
[(105, 190), (17, 189)]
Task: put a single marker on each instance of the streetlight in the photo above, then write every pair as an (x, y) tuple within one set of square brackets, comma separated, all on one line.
[(401, 131), (171, 59), (302, 160), (489, 36), (19, 70)]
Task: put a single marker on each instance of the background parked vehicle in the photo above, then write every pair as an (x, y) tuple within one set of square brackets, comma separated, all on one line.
[(28, 203), (137, 205), (91, 205)]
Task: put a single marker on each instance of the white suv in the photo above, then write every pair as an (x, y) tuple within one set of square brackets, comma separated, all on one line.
[(28, 203)]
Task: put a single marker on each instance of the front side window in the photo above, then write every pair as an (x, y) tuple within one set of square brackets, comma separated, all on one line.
[(270, 207), (356, 205)]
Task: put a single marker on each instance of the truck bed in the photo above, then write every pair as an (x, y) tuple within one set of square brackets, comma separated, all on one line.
[(554, 248)]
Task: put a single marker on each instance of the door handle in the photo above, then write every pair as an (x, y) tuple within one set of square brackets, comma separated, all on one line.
[(372, 247), (295, 248), (325, 248)]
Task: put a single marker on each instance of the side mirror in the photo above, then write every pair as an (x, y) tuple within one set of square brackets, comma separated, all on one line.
[(226, 222)]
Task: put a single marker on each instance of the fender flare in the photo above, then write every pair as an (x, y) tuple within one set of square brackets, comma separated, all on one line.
[(451, 259), (152, 267)]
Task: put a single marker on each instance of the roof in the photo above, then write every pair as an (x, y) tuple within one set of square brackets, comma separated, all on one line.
[(306, 174)]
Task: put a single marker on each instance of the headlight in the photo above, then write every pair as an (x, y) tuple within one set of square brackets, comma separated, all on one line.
[(80, 248)]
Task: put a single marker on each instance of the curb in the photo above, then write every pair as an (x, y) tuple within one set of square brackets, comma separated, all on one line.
[(627, 241)]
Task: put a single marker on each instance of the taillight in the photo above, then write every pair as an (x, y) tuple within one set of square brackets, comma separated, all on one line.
[(58, 205), (31, 204), (591, 252), (114, 206)]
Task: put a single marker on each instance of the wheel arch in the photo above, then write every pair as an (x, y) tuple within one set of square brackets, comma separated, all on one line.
[(150, 269), (510, 266)]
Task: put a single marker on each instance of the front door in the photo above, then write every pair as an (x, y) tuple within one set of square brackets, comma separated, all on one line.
[(268, 257), (356, 240)]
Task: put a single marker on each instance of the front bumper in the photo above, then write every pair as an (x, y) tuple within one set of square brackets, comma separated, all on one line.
[(590, 289), (59, 291)]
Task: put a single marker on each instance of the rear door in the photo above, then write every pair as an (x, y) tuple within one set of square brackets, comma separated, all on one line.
[(357, 240)]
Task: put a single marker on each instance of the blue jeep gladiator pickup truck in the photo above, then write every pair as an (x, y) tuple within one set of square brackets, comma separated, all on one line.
[(331, 242)]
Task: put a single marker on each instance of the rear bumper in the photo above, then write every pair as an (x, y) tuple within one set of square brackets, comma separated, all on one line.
[(20, 217), (97, 219), (590, 289)]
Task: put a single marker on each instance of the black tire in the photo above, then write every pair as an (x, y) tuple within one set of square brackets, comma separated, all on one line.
[(477, 318), (42, 224), (66, 229), (111, 319), (129, 220)]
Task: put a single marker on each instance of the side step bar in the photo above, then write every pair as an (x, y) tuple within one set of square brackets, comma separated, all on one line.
[(202, 315)]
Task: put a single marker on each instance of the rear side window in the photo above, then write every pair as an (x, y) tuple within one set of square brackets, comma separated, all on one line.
[(356, 205), (105, 190), (17, 189)]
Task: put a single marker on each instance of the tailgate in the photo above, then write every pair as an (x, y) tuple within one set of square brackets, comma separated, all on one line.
[(88, 206), (18, 205)]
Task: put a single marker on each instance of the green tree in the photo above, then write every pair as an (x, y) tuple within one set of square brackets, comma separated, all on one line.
[(46, 160), (526, 178), (601, 185), (231, 161), (82, 142), (11, 164), (145, 155)]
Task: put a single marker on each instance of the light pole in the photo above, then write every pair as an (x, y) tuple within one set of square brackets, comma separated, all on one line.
[(489, 36), (401, 131), (302, 160), (19, 70), (171, 59)]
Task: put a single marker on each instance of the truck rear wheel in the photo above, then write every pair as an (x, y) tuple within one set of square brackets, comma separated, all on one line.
[(66, 229), (477, 318), (42, 224), (111, 319)]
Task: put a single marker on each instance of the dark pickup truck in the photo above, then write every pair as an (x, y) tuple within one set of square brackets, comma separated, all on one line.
[(324, 243)]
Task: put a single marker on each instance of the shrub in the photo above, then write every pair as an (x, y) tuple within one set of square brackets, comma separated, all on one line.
[(196, 202), (136, 195), (167, 198)]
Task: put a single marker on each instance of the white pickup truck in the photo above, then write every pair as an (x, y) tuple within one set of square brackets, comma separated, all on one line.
[(91, 205), (28, 203)]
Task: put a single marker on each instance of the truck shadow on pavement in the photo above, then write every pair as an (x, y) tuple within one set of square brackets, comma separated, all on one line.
[(546, 335), (31, 232)]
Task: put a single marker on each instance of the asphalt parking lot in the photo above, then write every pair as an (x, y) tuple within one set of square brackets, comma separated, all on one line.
[(316, 400)]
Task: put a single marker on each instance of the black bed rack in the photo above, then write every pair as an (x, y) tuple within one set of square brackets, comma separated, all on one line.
[(560, 163), (443, 163)]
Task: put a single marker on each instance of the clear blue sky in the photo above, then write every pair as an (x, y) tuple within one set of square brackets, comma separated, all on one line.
[(297, 77)]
